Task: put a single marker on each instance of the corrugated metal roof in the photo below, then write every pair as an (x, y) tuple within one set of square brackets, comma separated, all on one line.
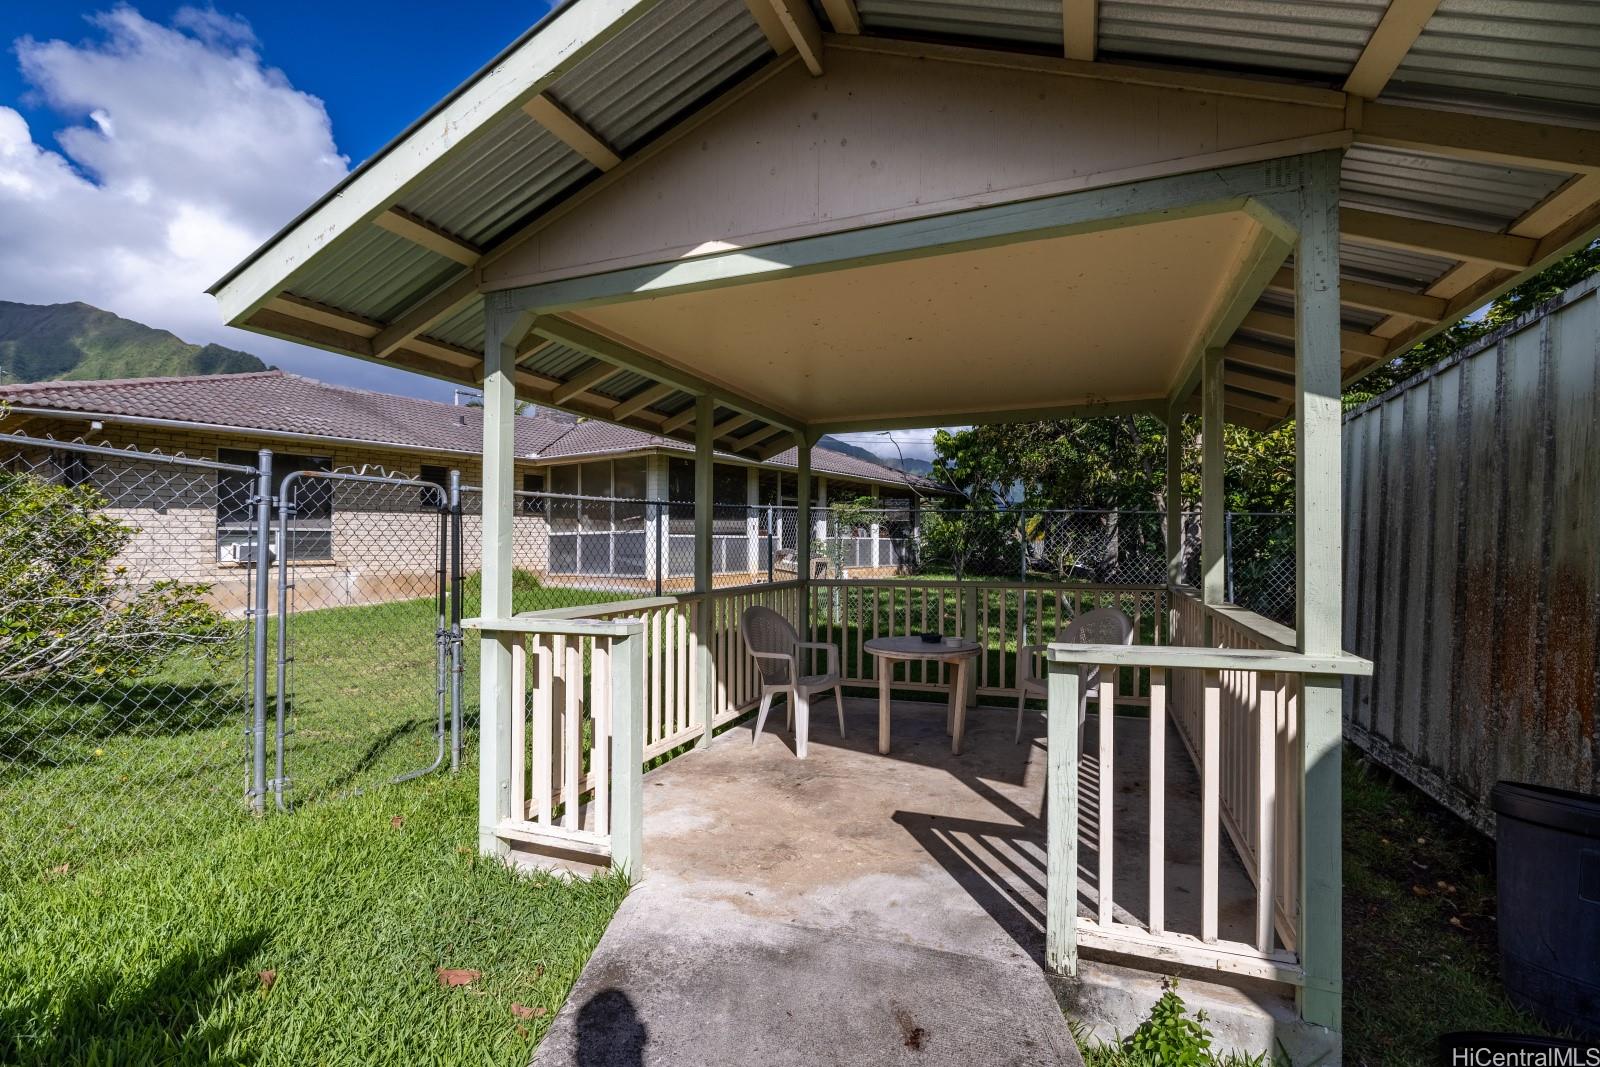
[(668, 60), (506, 175), (1535, 56), (342, 277), (1022, 21), (1350, 318), (559, 361), (1480, 195), (464, 328), (1413, 271), (1292, 36)]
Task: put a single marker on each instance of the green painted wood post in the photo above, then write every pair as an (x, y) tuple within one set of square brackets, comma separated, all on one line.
[(627, 752), (705, 410), (1317, 581), (803, 532), (496, 701), (1061, 819), (1174, 516), (1213, 498)]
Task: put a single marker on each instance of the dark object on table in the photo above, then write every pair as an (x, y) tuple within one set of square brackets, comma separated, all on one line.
[(1547, 851), (932, 637)]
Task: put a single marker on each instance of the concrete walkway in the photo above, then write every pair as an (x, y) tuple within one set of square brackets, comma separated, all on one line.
[(846, 909)]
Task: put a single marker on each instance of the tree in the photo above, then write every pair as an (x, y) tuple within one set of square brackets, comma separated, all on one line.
[(69, 611)]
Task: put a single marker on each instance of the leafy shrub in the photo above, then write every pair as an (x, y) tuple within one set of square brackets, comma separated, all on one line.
[(70, 610), (1169, 1037)]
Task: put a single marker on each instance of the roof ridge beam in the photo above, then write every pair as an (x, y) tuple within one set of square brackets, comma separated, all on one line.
[(1436, 238), (402, 223), (1387, 46), (568, 128)]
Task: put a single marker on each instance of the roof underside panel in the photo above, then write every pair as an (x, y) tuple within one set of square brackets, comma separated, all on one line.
[(1399, 269), (623, 385), (344, 276), (1350, 318), (1036, 22), (505, 176), (662, 65), (1535, 56), (558, 361), (1316, 39), (464, 328), (1480, 195)]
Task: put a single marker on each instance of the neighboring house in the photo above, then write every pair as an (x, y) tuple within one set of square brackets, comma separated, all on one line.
[(381, 551)]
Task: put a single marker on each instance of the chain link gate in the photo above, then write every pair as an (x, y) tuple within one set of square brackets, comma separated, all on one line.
[(363, 561)]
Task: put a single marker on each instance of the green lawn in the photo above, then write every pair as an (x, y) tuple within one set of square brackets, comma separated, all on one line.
[(145, 917), (1420, 947)]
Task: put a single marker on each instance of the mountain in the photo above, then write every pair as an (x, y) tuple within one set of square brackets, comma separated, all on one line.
[(891, 459), (52, 342)]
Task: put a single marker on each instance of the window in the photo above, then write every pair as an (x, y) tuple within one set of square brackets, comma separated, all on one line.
[(310, 535), (532, 505), (439, 476), (74, 468), (603, 531)]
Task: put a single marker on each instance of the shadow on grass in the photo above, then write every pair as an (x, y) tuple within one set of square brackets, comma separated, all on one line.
[(40, 731), (101, 1021)]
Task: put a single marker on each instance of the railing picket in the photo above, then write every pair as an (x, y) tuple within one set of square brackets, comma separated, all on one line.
[(1210, 804), (519, 727), (1158, 799), (544, 713), (1266, 807), (600, 749), (1106, 791), (572, 741)]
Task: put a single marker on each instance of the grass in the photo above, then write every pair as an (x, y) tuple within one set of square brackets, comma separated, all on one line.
[(145, 917), (1420, 946)]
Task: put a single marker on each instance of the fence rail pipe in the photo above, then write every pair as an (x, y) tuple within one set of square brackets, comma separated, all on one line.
[(259, 616)]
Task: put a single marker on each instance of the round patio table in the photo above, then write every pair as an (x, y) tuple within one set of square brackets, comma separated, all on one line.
[(956, 651)]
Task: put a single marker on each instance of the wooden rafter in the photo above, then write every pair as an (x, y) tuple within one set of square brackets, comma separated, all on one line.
[(730, 424), (420, 232), (425, 314), (1233, 398), (1386, 49), (567, 127), (1080, 28), (842, 15), (755, 437), (1365, 295), (311, 311), (1436, 238), (1243, 352), (800, 25), (679, 421), (578, 385), (1257, 380), (1353, 342), (640, 401), (1481, 138)]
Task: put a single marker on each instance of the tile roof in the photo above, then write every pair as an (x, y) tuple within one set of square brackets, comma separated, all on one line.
[(278, 402)]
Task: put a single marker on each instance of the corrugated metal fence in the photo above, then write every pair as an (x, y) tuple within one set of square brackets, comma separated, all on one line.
[(1472, 563)]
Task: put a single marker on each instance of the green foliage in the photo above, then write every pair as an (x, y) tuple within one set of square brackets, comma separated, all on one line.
[(70, 611), (976, 540), (40, 343), (1169, 1037)]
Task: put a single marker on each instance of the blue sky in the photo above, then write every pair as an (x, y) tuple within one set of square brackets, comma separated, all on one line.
[(376, 66)]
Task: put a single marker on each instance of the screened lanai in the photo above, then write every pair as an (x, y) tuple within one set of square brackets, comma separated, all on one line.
[(749, 225)]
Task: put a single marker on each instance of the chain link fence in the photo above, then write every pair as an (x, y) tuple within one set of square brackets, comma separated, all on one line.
[(125, 653)]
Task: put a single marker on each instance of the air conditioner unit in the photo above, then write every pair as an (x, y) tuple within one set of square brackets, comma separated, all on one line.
[(245, 552)]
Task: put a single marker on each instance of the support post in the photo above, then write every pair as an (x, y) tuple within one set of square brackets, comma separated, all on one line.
[(802, 531), (258, 725), (497, 702), (1213, 500), (627, 753), (704, 511), (1064, 688), (1174, 497), (458, 668), (1318, 554)]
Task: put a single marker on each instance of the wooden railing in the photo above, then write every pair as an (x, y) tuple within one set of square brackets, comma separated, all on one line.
[(1001, 616), (1234, 707)]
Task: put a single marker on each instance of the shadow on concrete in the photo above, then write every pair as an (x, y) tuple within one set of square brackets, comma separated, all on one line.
[(610, 1032)]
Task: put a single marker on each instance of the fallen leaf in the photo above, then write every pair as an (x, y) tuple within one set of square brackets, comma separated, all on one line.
[(522, 1011), (267, 978), (398, 821), (538, 970), (1419, 890), (1455, 920), (457, 976), (65, 868), (522, 1031)]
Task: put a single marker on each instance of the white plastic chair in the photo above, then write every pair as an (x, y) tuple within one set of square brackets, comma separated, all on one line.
[(1102, 626), (776, 647)]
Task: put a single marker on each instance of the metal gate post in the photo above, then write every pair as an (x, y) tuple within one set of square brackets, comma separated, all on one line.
[(285, 514), (1227, 554), (258, 728), (663, 516), (458, 667)]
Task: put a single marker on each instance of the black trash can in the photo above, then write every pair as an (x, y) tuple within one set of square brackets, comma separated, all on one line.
[(1548, 855)]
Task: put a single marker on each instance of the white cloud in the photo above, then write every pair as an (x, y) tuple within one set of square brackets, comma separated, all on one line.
[(184, 151)]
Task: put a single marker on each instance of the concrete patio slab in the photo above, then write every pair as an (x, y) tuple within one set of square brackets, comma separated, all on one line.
[(857, 908)]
